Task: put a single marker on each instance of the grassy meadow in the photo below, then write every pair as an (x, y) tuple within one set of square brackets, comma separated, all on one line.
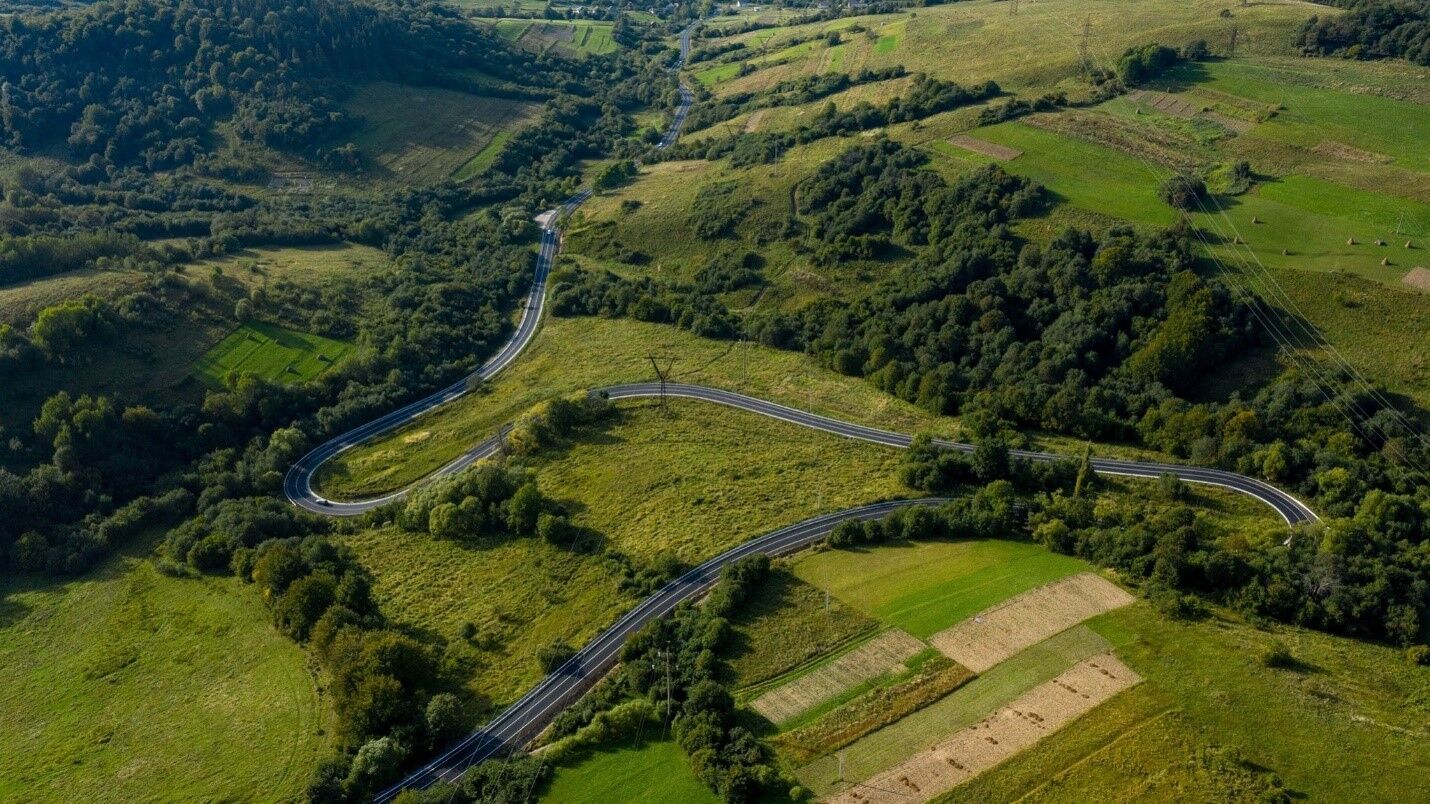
[(157, 365), (129, 684), (977, 41), (650, 772), (574, 354)]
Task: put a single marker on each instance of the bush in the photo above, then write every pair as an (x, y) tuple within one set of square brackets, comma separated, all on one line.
[(1182, 191), (554, 655), (1278, 655)]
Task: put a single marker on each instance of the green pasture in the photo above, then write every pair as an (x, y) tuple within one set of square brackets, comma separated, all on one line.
[(271, 352), (925, 587), (132, 685), (651, 772)]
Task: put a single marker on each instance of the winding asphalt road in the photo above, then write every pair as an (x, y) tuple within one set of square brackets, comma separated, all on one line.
[(534, 711)]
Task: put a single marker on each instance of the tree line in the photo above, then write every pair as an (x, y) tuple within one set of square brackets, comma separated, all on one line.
[(1370, 29)]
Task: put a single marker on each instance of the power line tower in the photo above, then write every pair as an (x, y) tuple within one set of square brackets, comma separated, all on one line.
[(1083, 54), (1231, 48), (662, 365)]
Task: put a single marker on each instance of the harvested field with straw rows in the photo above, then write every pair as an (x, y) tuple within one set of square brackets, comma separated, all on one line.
[(882, 654), (988, 638), (1008, 731)]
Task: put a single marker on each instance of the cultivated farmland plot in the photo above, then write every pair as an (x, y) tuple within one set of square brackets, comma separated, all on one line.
[(1008, 731), (1020, 622), (882, 654)]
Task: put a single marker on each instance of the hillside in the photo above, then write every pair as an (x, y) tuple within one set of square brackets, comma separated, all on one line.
[(506, 400)]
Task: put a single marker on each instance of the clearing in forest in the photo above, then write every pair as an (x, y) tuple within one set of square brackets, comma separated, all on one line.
[(880, 655), (993, 635), (1008, 731), (425, 134), (271, 352)]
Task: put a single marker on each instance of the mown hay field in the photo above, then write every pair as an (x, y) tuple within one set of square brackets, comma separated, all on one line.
[(894, 744), (1032, 716), (925, 587), (994, 634), (883, 655)]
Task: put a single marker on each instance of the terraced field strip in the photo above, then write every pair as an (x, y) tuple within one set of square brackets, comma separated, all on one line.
[(1010, 730), (995, 634), (882, 654), (984, 147)]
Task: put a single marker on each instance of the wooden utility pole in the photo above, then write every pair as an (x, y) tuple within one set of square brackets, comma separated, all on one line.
[(1231, 49)]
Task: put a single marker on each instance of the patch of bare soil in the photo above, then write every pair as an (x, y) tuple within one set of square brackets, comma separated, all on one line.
[(752, 123), (1417, 278), (882, 654), (1020, 622), (984, 147), (1016, 727)]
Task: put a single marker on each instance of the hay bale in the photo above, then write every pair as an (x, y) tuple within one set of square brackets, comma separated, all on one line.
[(1409, 245), (1379, 242), (1384, 261), (1255, 219), (1350, 241)]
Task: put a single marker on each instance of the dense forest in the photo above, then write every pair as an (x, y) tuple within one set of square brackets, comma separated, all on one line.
[(1371, 29), (146, 82)]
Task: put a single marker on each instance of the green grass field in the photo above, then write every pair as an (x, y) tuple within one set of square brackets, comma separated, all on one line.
[(702, 478), (132, 685), (1030, 52), (271, 352), (653, 772), (567, 37), (523, 593), (22, 301), (924, 587), (787, 623), (573, 354), (425, 134), (156, 365)]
